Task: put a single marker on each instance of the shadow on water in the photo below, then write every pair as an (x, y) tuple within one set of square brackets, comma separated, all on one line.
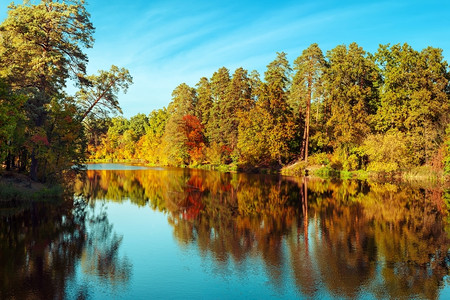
[(341, 238), (41, 245)]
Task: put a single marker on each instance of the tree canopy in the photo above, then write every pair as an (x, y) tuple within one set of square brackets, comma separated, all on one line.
[(384, 112), (42, 47), (353, 109)]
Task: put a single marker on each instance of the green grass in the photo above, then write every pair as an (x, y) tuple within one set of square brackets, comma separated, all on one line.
[(10, 192)]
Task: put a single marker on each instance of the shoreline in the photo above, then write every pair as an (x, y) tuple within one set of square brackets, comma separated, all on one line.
[(18, 187), (418, 174)]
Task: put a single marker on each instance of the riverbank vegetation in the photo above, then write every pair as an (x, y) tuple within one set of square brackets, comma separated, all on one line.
[(42, 127), (343, 111), (386, 113)]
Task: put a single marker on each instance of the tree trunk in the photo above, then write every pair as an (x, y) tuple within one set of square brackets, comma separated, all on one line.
[(8, 161), (97, 100), (304, 152), (33, 167), (308, 111)]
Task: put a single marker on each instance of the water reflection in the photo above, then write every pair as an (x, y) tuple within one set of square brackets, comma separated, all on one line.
[(348, 238), (310, 238), (100, 257), (41, 246)]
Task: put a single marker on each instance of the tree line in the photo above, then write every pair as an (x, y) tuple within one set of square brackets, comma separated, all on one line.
[(348, 108), (42, 128)]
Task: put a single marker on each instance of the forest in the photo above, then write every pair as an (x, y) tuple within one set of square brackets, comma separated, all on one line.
[(346, 109), (42, 50)]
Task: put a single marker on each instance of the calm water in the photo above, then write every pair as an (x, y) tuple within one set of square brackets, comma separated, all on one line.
[(142, 233)]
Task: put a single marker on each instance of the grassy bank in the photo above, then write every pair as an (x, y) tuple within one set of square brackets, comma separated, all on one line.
[(15, 187), (423, 174)]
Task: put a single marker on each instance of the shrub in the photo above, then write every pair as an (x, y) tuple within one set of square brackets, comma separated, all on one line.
[(319, 159), (447, 153), (387, 152)]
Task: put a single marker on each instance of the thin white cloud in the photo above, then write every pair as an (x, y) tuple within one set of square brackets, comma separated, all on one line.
[(186, 49)]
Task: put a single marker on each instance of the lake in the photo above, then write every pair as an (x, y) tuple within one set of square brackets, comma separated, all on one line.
[(167, 233)]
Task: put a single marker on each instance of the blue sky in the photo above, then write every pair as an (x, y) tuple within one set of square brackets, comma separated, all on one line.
[(165, 43)]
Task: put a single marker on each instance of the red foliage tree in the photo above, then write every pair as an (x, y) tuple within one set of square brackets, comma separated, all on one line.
[(193, 129)]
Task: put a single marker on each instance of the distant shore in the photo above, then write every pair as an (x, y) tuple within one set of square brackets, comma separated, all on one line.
[(422, 174)]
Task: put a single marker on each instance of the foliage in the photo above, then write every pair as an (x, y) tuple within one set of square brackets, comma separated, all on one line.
[(42, 44), (349, 109), (414, 98), (254, 134), (11, 121), (99, 94), (387, 152), (42, 47), (307, 88), (195, 141), (319, 159), (447, 153), (350, 89)]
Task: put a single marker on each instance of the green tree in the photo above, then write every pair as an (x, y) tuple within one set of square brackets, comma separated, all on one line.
[(255, 127), (96, 130), (149, 145), (184, 101), (11, 123), (157, 122), (255, 84), (174, 140), (219, 87), (414, 97), (238, 98), (42, 44), (350, 96), (66, 139), (274, 98), (204, 100), (306, 87), (41, 47), (99, 95), (138, 125), (113, 145), (387, 152), (276, 87)]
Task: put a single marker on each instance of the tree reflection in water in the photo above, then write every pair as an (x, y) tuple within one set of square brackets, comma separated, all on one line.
[(100, 257), (348, 237), (41, 245)]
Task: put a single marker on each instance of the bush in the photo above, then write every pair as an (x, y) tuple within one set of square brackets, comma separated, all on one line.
[(319, 159), (387, 152), (447, 153), (326, 172)]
